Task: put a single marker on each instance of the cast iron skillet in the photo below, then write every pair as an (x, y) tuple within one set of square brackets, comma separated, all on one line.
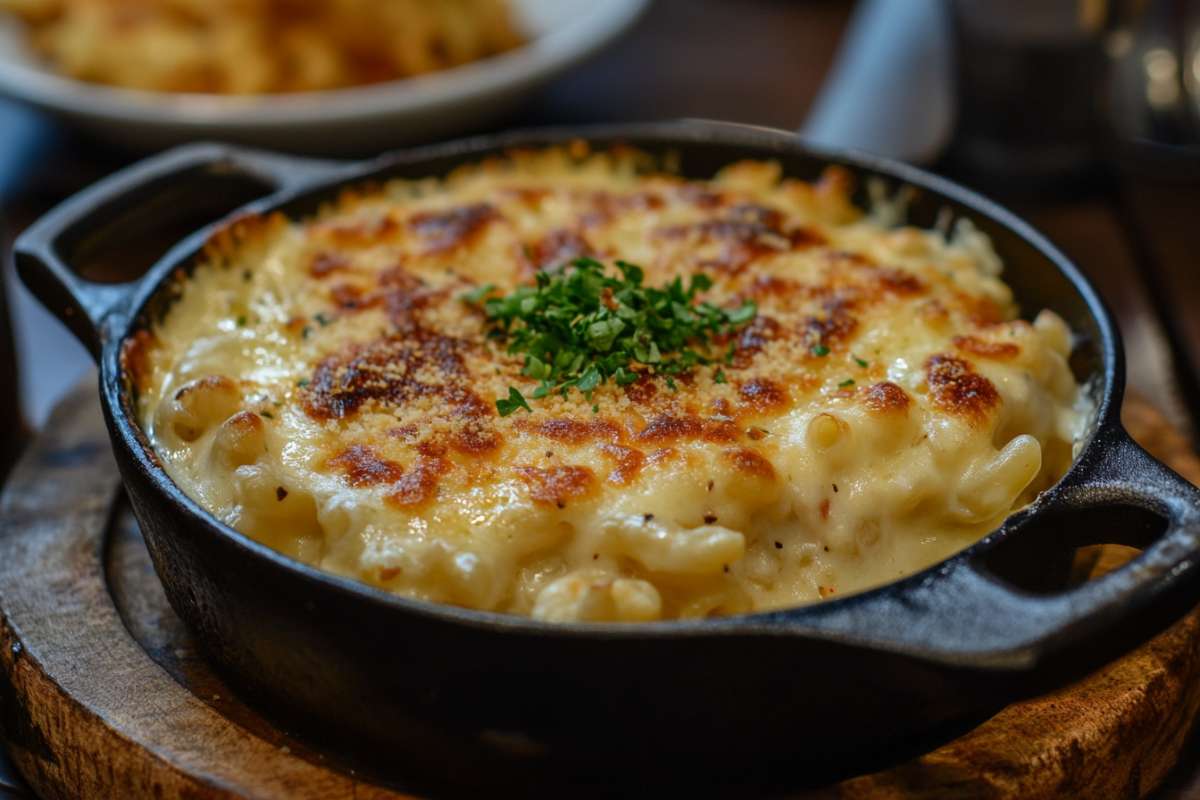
[(456, 698)]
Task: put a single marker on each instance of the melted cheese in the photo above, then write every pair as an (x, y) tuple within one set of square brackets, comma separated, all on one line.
[(320, 386)]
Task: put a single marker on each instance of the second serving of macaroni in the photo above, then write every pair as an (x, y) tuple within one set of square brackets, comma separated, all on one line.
[(322, 386)]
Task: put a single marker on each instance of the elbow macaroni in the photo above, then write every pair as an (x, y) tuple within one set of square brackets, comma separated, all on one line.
[(320, 387)]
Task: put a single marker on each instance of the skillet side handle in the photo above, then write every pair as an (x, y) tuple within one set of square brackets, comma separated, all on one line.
[(962, 616), (1108, 616), (43, 253)]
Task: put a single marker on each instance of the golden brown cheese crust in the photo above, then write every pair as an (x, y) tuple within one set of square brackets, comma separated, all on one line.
[(872, 349)]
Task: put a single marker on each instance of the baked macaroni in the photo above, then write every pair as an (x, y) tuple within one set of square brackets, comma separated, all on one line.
[(322, 386), (247, 47)]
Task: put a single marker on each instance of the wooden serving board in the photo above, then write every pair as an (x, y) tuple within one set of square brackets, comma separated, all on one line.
[(102, 693)]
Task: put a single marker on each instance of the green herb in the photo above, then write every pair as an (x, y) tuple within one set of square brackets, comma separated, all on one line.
[(302, 383), (579, 327), (307, 332), (515, 400), (246, 275), (322, 319), (478, 294), (820, 350), (267, 414), (719, 376), (241, 321), (845, 383), (861, 363), (595, 408)]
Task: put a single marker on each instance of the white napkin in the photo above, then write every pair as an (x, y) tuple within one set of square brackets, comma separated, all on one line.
[(889, 91)]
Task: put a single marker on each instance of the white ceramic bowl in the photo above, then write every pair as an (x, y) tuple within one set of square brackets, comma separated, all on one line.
[(561, 33)]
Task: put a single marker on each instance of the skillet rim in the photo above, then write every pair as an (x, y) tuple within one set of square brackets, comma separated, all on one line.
[(128, 318)]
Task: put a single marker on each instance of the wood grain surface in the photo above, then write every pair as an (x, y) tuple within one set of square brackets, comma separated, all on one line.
[(105, 695)]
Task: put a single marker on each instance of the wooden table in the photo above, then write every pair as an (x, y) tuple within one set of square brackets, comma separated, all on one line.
[(763, 61)]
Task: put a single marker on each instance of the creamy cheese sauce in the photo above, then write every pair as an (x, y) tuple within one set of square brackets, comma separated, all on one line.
[(321, 386)]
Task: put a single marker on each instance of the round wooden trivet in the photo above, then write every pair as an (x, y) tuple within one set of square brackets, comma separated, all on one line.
[(103, 694)]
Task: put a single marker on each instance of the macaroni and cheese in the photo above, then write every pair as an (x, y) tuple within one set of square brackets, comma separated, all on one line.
[(322, 386)]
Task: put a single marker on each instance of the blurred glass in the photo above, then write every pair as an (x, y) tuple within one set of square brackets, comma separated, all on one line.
[(1030, 78), (1154, 98)]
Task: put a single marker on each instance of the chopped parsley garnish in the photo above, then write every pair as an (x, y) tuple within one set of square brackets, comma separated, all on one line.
[(861, 362), (241, 321), (478, 294), (820, 350), (322, 319), (514, 401), (579, 327), (845, 383), (719, 376)]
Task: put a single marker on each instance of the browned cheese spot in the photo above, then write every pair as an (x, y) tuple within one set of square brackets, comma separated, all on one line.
[(641, 391), (701, 196), (957, 389), (475, 437), (753, 338), (395, 370), (207, 383), (747, 233), (886, 397), (997, 351), (558, 248), (669, 428), (444, 231), (762, 394), (418, 484), (899, 281), (573, 431), (348, 297), (629, 463), (556, 485), (832, 328), (357, 233), (362, 466), (325, 263), (751, 462), (245, 422)]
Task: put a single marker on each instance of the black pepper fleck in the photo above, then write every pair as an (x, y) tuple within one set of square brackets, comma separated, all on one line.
[(280, 493), (835, 488), (710, 518), (779, 545)]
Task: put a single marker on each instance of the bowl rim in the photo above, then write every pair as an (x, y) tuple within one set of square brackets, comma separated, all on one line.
[(740, 139), (541, 56)]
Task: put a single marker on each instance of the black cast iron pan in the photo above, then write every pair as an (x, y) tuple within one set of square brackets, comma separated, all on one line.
[(458, 699)]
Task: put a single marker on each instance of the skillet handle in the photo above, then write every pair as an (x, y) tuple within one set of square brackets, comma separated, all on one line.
[(45, 253), (963, 616)]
